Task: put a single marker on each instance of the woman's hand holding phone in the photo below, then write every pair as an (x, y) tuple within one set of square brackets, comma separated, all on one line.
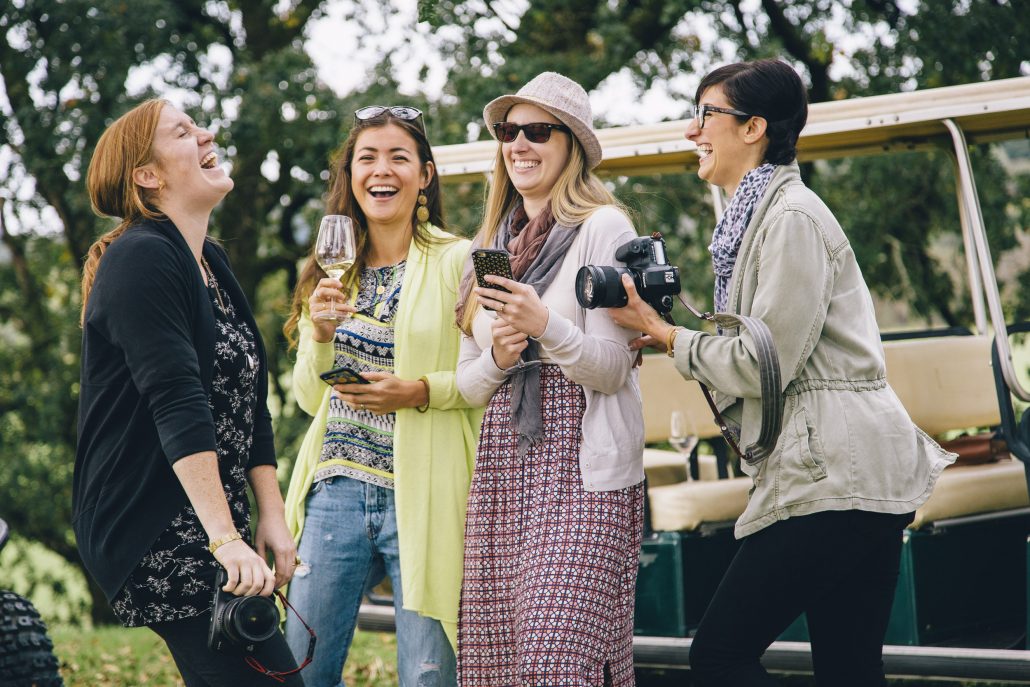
[(520, 307), (321, 299), (516, 303), (378, 393)]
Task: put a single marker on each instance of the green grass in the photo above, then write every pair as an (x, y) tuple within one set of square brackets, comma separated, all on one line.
[(123, 657), (120, 657)]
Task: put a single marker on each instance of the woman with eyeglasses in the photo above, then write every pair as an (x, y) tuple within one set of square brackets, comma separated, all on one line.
[(822, 531), (380, 484), (555, 508)]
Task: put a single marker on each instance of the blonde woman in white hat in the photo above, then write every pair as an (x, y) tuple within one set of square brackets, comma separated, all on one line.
[(555, 509)]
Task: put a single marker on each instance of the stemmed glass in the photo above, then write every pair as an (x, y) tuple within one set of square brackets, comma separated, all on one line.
[(680, 439), (335, 252)]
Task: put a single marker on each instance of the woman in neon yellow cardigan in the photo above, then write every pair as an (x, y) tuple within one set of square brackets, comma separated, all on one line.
[(384, 463)]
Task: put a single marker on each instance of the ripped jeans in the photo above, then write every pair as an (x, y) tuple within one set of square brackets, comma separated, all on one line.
[(350, 544)]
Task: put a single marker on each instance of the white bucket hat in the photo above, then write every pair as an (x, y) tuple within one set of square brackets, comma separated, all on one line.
[(563, 98)]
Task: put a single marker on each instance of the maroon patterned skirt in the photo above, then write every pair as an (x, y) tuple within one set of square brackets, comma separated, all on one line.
[(550, 569)]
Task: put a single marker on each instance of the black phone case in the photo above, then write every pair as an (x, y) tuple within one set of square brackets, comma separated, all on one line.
[(491, 261), (342, 375)]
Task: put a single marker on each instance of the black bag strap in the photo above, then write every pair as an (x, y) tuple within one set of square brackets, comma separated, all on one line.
[(769, 377)]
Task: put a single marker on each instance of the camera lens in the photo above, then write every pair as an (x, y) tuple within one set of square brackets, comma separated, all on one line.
[(251, 618), (600, 287)]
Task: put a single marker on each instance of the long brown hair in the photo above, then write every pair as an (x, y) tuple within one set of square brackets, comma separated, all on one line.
[(124, 146), (341, 201), (576, 193)]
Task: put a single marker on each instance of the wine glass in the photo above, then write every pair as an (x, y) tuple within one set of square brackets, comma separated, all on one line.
[(335, 252), (680, 439)]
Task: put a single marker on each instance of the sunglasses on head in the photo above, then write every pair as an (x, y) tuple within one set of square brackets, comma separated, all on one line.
[(408, 114), (537, 132)]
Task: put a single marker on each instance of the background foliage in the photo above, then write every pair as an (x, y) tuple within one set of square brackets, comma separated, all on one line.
[(69, 67)]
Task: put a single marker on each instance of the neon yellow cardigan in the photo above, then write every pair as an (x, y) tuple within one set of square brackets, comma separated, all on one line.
[(434, 452)]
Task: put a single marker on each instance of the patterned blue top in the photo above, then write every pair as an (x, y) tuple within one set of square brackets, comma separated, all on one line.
[(360, 443)]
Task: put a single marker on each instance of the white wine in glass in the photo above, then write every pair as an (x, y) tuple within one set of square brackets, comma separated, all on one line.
[(335, 251)]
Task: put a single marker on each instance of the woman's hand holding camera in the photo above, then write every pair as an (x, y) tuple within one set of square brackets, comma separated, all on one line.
[(639, 316), (326, 294), (248, 574), (273, 537)]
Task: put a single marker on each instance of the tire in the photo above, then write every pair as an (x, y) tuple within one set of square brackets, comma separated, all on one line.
[(26, 652)]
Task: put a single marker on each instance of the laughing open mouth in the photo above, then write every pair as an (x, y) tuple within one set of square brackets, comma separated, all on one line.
[(382, 191), (209, 161)]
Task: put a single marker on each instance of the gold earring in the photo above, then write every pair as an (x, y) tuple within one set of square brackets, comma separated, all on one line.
[(422, 213)]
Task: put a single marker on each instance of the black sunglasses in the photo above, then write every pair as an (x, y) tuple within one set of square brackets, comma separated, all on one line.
[(700, 113), (408, 114), (537, 132)]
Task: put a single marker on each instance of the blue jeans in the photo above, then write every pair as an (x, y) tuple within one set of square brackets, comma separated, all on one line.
[(350, 544)]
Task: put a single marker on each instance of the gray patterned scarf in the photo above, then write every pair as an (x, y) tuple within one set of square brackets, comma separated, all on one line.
[(729, 232), (525, 383)]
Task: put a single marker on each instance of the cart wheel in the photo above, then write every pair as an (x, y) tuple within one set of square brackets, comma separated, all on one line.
[(26, 652)]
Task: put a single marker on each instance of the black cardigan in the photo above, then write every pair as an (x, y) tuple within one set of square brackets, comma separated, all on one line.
[(147, 361)]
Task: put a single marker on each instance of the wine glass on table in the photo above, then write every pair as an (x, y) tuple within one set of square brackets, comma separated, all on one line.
[(335, 251), (683, 441)]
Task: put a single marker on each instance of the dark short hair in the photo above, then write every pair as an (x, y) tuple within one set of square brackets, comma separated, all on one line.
[(770, 89)]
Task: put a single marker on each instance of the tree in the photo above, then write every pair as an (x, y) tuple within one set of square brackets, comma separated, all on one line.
[(936, 43), (64, 70)]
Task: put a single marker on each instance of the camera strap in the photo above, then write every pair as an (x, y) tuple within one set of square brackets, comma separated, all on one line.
[(769, 379), (279, 675)]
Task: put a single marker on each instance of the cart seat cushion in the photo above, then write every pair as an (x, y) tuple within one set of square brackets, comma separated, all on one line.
[(944, 382), (686, 505), (669, 467), (974, 489)]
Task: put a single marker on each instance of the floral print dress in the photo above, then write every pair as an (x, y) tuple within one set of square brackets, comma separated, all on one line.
[(175, 579)]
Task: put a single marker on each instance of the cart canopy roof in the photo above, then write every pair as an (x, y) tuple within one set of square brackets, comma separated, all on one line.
[(987, 111)]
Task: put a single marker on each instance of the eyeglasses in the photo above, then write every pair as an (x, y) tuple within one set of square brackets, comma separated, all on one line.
[(408, 114), (537, 132), (700, 113)]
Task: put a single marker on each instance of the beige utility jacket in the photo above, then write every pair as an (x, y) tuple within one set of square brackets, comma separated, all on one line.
[(847, 442)]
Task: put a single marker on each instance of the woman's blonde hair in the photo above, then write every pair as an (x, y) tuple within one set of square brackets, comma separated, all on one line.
[(576, 194), (125, 146)]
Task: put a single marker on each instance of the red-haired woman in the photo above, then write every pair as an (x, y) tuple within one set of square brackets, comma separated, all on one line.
[(172, 416)]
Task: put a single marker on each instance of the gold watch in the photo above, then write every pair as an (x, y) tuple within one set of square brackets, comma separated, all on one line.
[(215, 543)]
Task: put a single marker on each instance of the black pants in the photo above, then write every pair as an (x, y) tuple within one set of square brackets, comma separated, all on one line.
[(840, 568), (201, 667)]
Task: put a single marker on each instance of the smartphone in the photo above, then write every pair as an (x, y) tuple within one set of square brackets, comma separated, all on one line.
[(342, 375), (491, 261)]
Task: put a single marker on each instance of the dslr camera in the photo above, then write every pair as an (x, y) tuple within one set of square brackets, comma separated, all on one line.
[(655, 279), (238, 623)]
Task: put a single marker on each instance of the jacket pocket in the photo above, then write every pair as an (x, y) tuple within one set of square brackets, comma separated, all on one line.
[(810, 449)]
